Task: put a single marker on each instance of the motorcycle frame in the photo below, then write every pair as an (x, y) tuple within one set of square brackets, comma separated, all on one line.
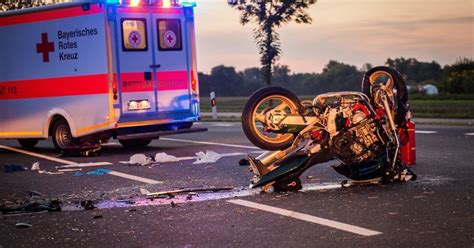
[(267, 161)]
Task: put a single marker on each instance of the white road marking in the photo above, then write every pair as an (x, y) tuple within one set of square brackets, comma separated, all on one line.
[(223, 125), (82, 165), (74, 164), (210, 143), (306, 217), (319, 186), (132, 177), (62, 161), (222, 155), (425, 132), (470, 134)]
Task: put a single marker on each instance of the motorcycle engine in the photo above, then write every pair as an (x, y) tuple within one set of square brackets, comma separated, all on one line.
[(360, 140)]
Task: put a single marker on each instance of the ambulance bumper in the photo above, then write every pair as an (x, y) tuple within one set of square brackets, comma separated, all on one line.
[(155, 135)]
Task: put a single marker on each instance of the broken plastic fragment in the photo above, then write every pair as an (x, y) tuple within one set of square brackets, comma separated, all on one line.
[(50, 173), (23, 225), (162, 157), (144, 191), (99, 172), (140, 159), (208, 157), (78, 174), (35, 166)]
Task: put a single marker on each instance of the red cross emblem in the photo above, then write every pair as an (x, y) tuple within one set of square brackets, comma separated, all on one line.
[(135, 38), (170, 38), (45, 47)]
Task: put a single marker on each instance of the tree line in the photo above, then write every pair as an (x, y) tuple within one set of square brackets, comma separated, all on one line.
[(456, 78)]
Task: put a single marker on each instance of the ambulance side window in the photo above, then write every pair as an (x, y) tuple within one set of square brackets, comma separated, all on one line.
[(169, 34), (134, 36)]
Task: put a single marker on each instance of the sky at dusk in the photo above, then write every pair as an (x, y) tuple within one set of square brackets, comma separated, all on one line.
[(349, 31)]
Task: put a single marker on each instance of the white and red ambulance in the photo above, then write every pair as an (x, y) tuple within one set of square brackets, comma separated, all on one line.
[(91, 70)]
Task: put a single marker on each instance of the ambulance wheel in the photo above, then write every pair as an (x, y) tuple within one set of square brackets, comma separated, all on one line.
[(61, 135), (28, 143), (135, 143)]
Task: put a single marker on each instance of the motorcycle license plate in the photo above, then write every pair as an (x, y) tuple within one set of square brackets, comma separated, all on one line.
[(135, 105)]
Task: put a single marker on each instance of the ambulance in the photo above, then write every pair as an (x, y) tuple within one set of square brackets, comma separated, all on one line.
[(88, 71)]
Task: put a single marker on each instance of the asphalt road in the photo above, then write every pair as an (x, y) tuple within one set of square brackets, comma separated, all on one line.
[(434, 211)]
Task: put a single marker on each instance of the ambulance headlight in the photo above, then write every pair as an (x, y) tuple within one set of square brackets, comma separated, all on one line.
[(134, 3)]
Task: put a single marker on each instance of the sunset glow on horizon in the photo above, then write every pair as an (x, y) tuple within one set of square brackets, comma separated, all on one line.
[(349, 31)]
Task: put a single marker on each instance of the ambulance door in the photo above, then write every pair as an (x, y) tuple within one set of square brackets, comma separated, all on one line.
[(171, 56), (135, 57)]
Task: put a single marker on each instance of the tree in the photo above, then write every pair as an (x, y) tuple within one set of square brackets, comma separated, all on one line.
[(269, 15), (417, 72), (459, 77)]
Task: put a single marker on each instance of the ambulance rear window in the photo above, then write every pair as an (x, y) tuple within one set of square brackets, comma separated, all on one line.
[(169, 34), (134, 35)]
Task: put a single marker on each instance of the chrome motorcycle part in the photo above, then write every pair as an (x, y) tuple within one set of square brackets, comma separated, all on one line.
[(393, 83), (263, 114)]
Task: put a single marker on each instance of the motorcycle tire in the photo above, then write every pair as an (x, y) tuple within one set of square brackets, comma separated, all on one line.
[(400, 86), (249, 117)]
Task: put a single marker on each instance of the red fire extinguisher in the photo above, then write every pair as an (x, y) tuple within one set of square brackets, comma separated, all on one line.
[(407, 141)]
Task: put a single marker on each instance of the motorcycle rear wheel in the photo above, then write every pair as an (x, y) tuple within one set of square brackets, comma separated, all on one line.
[(254, 111)]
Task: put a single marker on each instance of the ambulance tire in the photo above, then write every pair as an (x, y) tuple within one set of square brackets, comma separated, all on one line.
[(28, 143), (135, 143), (61, 135)]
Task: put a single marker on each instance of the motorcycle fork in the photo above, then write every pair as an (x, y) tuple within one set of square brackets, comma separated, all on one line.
[(267, 161), (393, 127)]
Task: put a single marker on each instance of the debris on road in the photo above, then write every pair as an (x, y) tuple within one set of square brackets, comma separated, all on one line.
[(69, 170), (50, 172), (207, 157), (82, 150), (162, 157), (138, 159), (98, 172), (32, 193), (144, 191), (23, 225), (35, 166), (14, 168), (244, 162), (31, 207), (190, 191), (88, 205), (82, 165)]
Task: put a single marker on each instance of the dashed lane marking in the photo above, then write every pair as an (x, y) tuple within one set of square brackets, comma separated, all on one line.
[(132, 177), (221, 154), (306, 217), (62, 161), (425, 132), (210, 143), (223, 125), (470, 134)]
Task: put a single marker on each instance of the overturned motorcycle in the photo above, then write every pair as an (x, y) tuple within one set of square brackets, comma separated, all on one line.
[(361, 130)]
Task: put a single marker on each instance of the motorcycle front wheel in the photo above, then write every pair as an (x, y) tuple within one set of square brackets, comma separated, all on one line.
[(254, 117), (392, 79)]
